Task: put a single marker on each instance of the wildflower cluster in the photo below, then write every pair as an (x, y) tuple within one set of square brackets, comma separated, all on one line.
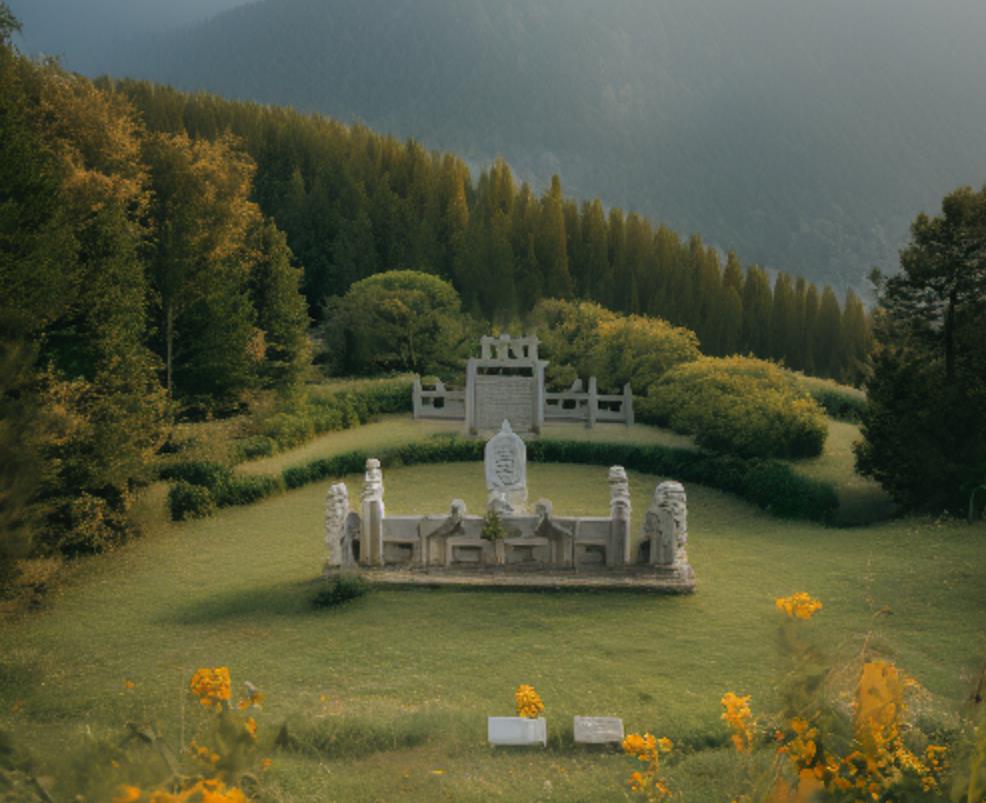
[(212, 687), (739, 717), (648, 749), (528, 702), (203, 791), (798, 606)]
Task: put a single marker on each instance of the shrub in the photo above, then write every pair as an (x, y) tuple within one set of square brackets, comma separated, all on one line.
[(257, 446), (340, 588), (247, 489), (288, 429), (640, 350), (738, 405), (839, 401), (188, 501), (201, 487)]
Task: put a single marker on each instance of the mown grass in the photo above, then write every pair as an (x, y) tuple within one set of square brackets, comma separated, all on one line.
[(386, 697)]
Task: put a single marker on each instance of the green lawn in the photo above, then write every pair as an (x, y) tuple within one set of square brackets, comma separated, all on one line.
[(414, 673)]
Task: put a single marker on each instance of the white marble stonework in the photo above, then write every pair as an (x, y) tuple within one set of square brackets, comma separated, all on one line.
[(505, 459), (597, 730)]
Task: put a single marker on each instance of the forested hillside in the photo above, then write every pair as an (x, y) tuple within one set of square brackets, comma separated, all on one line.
[(804, 136), (354, 203)]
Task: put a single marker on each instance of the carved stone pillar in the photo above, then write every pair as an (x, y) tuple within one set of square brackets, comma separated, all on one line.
[(618, 553), (371, 537)]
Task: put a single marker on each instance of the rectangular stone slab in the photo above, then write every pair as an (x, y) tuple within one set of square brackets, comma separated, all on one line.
[(517, 731), (598, 730)]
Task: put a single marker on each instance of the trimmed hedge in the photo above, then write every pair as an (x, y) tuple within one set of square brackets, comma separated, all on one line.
[(328, 411), (771, 485), (202, 486)]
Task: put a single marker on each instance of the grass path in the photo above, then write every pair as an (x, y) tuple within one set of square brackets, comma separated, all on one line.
[(413, 674)]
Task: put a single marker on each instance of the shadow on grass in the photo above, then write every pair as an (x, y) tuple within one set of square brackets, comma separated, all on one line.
[(293, 599)]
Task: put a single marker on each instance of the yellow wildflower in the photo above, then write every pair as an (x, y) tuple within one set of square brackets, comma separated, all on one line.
[(739, 717), (128, 794), (528, 702), (211, 686), (251, 726), (798, 606), (129, 684)]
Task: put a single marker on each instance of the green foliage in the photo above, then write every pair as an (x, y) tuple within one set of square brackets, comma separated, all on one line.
[(340, 588), (189, 501), (582, 339), (841, 402), (924, 429), (401, 320), (738, 405), (569, 335), (640, 350), (201, 487), (493, 529)]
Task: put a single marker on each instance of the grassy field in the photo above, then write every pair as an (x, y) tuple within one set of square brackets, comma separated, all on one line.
[(396, 686)]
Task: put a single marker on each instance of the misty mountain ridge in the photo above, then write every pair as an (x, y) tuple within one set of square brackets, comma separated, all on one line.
[(804, 136)]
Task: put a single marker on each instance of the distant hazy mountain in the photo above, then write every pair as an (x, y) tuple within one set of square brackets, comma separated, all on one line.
[(805, 134), (86, 33)]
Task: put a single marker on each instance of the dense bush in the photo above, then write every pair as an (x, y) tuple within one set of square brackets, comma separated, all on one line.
[(738, 405), (188, 501), (640, 350), (399, 320), (582, 339), (203, 486), (841, 402), (328, 410)]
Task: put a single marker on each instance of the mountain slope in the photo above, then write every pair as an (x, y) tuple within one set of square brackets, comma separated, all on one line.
[(805, 136)]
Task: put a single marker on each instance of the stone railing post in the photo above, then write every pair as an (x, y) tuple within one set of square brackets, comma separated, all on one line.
[(666, 526), (618, 553), (371, 536), (336, 513), (593, 407), (416, 396), (628, 405)]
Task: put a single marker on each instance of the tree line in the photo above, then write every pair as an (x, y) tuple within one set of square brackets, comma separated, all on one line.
[(137, 276), (354, 203)]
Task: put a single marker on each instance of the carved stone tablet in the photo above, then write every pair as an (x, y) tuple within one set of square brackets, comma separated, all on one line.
[(506, 461), (598, 730)]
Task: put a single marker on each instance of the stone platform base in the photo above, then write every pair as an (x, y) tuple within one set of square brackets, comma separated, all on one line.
[(642, 579)]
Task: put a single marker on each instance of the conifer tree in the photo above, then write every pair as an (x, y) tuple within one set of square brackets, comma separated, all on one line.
[(828, 333), (595, 270), (757, 304), (552, 243), (856, 338)]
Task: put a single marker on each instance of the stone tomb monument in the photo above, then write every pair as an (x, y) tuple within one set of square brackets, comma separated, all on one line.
[(506, 382), (540, 549)]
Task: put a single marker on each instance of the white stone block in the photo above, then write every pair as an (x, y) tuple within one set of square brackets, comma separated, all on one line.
[(597, 730), (517, 731)]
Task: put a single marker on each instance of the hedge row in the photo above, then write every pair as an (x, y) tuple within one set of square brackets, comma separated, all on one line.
[(771, 485), (326, 411), (201, 487), (839, 401)]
